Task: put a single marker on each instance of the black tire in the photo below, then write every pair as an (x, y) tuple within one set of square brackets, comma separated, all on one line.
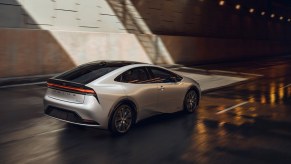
[(122, 119), (191, 101)]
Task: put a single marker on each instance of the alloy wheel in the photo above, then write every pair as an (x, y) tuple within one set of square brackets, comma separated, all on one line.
[(122, 119), (191, 101)]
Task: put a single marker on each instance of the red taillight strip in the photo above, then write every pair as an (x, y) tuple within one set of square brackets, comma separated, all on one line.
[(71, 88)]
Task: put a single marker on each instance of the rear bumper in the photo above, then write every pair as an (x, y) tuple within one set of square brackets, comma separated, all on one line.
[(68, 116), (89, 113)]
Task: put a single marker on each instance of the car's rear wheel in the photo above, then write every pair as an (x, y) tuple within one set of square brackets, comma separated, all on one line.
[(191, 101), (122, 119)]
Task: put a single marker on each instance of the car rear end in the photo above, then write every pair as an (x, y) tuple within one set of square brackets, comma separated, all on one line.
[(69, 99), (71, 102)]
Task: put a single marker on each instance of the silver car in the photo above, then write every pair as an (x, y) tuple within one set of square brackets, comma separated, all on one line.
[(115, 95)]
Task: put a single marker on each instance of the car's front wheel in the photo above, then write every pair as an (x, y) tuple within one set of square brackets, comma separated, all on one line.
[(191, 101), (122, 119)]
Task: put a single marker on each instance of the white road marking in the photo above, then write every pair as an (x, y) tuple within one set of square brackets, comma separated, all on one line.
[(287, 86), (230, 108), (195, 69), (53, 131)]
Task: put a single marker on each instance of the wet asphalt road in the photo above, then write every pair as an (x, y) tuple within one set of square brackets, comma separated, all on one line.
[(257, 132)]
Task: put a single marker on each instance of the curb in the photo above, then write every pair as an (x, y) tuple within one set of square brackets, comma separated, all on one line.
[(216, 72), (232, 85), (7, 82)]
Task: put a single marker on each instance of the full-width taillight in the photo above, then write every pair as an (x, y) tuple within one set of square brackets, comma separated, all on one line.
[(86, 90)]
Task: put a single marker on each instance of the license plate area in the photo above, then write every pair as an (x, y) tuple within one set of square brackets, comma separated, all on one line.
[(66, 96)]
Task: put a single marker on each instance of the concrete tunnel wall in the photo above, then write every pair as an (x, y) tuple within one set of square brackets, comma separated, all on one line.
[(50, 36), (37, 52)]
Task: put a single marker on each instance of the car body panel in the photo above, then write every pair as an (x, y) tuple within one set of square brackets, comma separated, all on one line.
[(170, 96), (148, 98), (66, 96), (89, 110), (144, 95)]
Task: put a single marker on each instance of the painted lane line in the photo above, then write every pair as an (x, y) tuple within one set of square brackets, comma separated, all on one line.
[(287, 86), (195, 69), (53, 131), (230, 108)]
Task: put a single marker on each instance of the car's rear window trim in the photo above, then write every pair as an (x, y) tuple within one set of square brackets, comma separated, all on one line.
[(87, 73)]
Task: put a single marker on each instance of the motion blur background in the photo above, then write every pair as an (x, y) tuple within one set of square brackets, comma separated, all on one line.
[(237, 50), (50, 36)]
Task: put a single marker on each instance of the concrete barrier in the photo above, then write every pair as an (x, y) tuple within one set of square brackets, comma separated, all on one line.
[(26, 52), (36, 52)]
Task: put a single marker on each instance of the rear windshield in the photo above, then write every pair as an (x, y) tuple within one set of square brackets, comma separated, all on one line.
[(86, 74)]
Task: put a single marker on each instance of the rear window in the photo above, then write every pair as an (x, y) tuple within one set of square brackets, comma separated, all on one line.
[(86, 74)]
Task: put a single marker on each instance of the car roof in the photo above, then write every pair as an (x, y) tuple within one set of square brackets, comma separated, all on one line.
[(143, 65), (124, 66), (112, 63)]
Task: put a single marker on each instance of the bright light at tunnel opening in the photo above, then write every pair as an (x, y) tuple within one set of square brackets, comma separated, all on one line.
[(281, 18), (237, 6), (221, 3)]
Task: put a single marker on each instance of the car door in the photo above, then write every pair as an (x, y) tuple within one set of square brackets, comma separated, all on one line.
[(170, 90), (137, 87)]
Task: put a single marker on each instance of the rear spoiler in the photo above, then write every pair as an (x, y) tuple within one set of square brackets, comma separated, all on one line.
[(69, 86)]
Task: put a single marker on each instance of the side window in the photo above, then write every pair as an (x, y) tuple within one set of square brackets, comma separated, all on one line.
[(164, 76), (136, 75)]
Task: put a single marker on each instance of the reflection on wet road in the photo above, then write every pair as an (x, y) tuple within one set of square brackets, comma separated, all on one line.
[(258, 131)]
